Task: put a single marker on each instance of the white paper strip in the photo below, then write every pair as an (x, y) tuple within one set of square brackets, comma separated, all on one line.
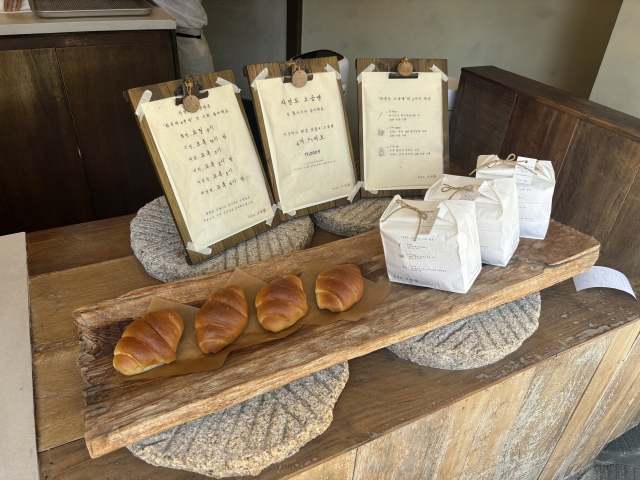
[(274, 208), (373, 192), (370, 68), (261, 76), (442, 74), (354, 191), (603, 277), (198, 248), (329, 68), (522, 175), (146, 96), (223, 82)]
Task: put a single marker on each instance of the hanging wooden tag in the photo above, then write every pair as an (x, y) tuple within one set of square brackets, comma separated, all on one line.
[(299, 78), (190, 95), (405, 68)]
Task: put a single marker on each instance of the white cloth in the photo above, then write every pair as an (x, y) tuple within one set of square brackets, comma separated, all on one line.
[(212, 165), (194, 55), (308, 143), (23, 8), (534, 200), (402, 124), (446, 258), (496, 209)]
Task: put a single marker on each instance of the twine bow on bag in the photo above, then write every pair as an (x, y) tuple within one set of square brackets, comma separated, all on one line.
[(510, 160), (422, 215), (447, 188)]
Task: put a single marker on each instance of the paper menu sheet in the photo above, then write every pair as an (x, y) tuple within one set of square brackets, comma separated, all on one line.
[(403, 131), (308, 140), (603, 277), (212, 165)]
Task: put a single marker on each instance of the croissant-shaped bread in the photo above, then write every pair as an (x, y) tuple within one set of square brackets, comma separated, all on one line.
[(148, 342), (222, 319), (338, 288), (281, 303)]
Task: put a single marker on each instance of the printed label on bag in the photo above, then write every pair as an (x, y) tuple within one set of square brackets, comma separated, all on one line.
[(522, 175)]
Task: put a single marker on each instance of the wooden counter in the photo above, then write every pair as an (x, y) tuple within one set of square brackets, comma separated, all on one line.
[(543, 412)]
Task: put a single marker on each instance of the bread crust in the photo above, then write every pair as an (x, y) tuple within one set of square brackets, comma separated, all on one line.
[(222, 319), (281, 303), (339, 288)]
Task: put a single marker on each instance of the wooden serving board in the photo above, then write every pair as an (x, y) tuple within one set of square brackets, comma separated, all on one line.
[(117, 415)]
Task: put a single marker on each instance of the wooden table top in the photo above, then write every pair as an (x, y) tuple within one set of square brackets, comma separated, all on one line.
[(84, 264)]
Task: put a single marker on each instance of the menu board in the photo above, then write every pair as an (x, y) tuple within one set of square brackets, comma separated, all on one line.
[(307, 138), (403, 131)]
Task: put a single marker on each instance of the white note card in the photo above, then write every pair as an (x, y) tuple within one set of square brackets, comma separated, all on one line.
[(603, 277), (522, 175)]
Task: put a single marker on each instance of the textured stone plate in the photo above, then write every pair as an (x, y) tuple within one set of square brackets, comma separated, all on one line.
[(250, 436), (156, 242), (474, 341)]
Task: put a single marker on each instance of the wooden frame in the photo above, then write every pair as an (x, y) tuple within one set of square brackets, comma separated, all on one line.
[(391, 65), (277, 70), (165, 90)]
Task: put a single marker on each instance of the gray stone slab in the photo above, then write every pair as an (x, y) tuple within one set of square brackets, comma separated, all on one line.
[(248, 437), (476, 340), (155, 242), (353, 219)]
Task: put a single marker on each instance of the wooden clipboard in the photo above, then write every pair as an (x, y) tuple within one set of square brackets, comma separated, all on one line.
[(391, 65), (279, 70), (166, 90)]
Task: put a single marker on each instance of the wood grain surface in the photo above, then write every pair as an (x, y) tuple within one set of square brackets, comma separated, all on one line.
[(278, 70), (166, 90), (116, 415), (42, 178), (391, 65)]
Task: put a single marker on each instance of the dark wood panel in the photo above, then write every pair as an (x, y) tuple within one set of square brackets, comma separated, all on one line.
[(119, 170), (42, 180), (565, 102), (480, 121), (623, 242), (84, 39), (294, 28), (538, 131), (598, 171)]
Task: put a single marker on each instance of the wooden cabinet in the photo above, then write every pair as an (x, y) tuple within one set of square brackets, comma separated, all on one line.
[(70, 149)]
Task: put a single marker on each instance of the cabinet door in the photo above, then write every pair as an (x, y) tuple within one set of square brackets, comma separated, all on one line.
[(119, 170), (42, 179)]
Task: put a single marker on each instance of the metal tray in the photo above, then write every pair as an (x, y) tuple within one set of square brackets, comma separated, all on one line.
[(89, 8)]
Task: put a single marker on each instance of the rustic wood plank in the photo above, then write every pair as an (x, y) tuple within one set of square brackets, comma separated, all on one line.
[(278, 69), (480, 121), (166, 90), (538, 131), (623, 242), (340, 468), (391, 65), (555, 391), (77, 245), (581, 108), (57, 382), (117, 415), (580, 427), (598, 172)]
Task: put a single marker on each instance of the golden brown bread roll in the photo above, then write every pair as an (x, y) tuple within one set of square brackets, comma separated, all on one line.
[(338, 288), (222, 319), (148, 342), (281, 303)]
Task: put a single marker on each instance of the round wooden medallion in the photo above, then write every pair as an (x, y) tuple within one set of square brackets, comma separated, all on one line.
[(299, 78), (405, 68), (191, 103)]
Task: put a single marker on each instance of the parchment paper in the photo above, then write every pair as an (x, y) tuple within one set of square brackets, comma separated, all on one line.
[(190, 358)]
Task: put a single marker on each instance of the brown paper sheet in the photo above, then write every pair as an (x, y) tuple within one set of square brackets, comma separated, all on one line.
[(190, 358)]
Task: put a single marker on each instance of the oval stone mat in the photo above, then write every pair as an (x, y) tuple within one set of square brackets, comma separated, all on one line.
[(476, 340), (250, 436), (355, 218), (155, 241)]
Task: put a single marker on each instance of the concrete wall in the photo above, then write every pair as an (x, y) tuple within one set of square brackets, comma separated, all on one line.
[(617, 84), (241, 32), (560, 43)]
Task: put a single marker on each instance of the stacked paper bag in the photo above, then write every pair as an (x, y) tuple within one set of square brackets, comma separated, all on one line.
[(431, 244), (535, 181), (496, 203)]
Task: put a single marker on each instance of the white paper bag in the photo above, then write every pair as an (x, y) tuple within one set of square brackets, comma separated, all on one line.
[(534, 199), (496, 210), (431, 244)]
